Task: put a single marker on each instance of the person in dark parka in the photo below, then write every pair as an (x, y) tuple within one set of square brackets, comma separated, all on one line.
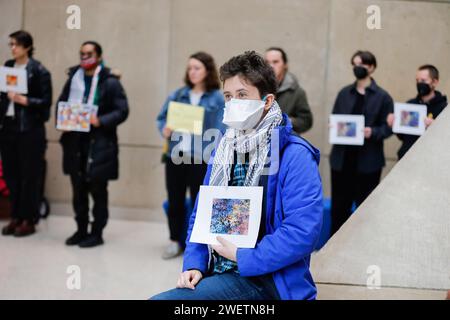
[(91, 159)]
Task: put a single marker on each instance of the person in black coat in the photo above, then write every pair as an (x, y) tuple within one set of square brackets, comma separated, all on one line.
[(23, 137), (91, 159), (356, 170), (427, 79)]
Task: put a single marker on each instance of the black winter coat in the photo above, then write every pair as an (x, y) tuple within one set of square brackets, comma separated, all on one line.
[(377, 105), (435, 106), (102, 159)]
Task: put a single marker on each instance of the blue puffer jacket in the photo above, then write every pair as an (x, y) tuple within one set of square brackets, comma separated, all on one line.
[(293, 221)]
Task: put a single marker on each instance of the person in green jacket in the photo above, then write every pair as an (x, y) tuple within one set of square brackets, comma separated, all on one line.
[(290, 96)]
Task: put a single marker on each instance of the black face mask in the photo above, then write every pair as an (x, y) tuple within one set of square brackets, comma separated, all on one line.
[(360, 72), (423, 89)]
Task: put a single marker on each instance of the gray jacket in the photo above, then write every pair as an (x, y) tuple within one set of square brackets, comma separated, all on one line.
[(292, 100)]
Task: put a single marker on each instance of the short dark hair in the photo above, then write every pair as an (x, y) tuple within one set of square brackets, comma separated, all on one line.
[(24, 39), (283, 53), (434, 72), (212, 78), (252, 68), (367, 58), (97, 47)]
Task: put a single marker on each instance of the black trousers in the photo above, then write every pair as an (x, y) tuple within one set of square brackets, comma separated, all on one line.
[(99, 191), (23, 157), (178, 178), (348, 187)]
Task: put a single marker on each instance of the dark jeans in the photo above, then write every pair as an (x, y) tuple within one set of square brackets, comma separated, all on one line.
[(226, 286), (178, 179), (99, 192), (23, 160), (348, 187)]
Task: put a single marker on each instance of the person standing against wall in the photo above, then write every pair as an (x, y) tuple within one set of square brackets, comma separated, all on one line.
[(91, 159), (290, 96), (23, 137), (356, 170), (427, 79), (202, 88)]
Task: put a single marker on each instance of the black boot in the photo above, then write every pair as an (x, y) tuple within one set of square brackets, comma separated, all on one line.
[(76, 238), (91, 240)]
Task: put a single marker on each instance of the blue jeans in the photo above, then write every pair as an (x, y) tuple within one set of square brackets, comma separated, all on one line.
[(226, 286)]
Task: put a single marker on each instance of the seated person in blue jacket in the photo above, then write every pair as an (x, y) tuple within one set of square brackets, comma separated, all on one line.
[(278, 267)]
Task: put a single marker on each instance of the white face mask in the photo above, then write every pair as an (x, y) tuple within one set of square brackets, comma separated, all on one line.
[(243, 114)]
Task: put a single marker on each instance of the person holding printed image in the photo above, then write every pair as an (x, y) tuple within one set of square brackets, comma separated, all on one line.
[(356, 170), (92, 158), (291, 217), (185, 160), (23, 136), (427, 79)]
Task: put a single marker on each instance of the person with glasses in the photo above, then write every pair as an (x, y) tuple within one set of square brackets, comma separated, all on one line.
[(23, 137), (91, 159)]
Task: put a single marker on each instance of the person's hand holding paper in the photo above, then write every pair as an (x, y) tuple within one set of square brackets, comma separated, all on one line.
[(228, 218), (227, 249), (18, 98)]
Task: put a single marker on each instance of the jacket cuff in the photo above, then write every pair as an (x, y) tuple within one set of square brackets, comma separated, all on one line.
[(32, 102), (189, 266), (243, 256)]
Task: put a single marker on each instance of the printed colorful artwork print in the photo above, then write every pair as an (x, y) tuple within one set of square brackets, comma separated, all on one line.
[(230, 216), (410, 119), (346, 129), (12, 80)]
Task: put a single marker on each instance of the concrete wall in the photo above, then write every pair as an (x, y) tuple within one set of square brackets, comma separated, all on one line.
[(403, 228), (151, 40), (9, 23)]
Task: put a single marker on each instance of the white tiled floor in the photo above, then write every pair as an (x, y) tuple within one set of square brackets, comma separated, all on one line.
[(128, 266)]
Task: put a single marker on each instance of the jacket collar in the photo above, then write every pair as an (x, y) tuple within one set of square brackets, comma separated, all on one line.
[(438, 99), (289, 83), (104, 73), (285, 131), (287, 135), (31, 63), (186, 90), (373, 87)]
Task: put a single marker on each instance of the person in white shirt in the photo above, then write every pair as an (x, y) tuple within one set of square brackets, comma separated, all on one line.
[(22, 136)]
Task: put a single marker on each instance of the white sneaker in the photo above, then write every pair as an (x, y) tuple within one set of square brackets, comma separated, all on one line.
[(172, 250)]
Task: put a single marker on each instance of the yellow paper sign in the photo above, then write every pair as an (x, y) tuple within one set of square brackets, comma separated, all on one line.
[(183, 117)]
